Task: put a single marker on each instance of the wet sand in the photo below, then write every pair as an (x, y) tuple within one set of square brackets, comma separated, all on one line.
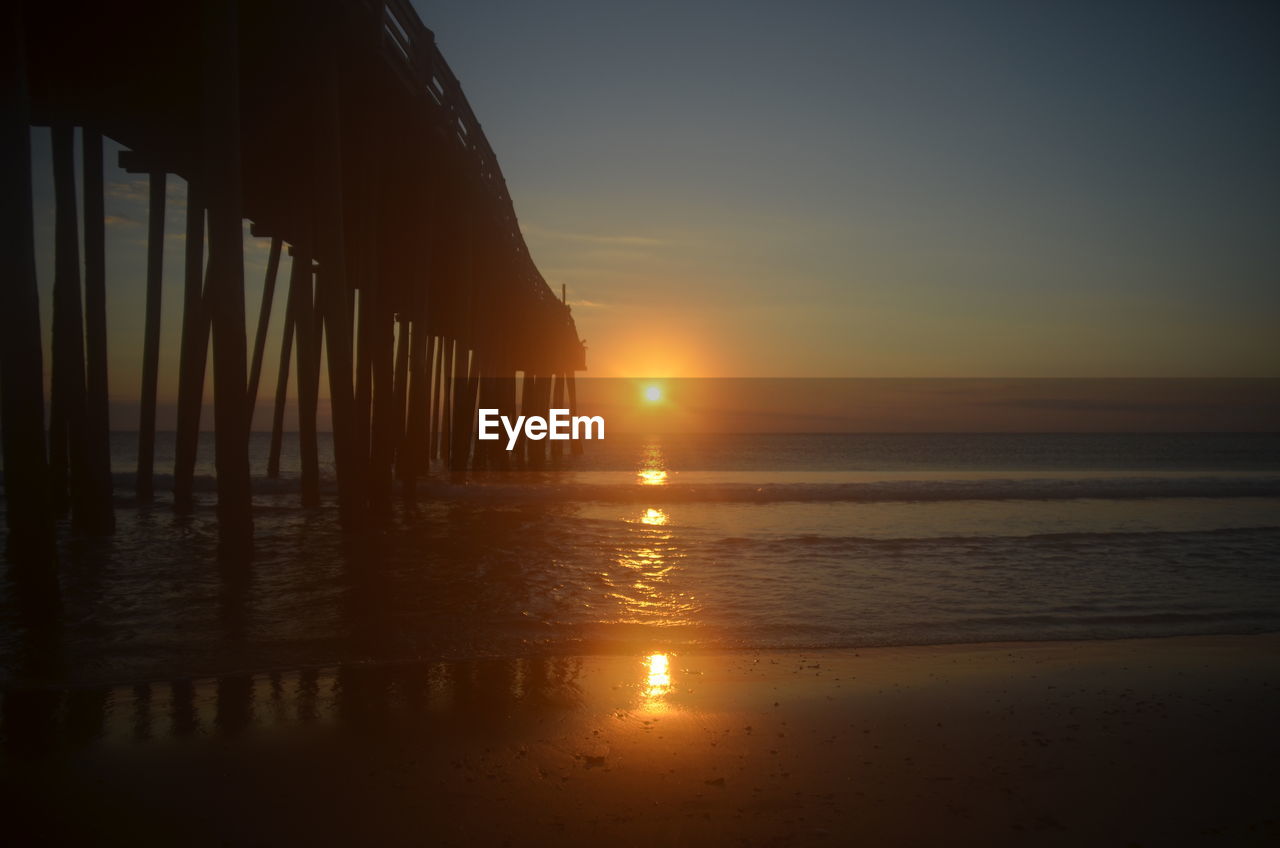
[(1135, 742)]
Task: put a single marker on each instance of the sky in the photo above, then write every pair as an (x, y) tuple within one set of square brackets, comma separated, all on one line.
[(892, 189), (816, 189)]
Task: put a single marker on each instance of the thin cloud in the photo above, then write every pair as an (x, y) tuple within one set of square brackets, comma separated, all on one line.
[(593, 238), (135, 190), (1123, 406), (138, 190)]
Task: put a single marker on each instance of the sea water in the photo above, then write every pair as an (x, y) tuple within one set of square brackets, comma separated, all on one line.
[(679, 543)]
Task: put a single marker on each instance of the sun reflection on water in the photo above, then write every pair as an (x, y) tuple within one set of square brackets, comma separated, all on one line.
[(644, 584), (653, 466), (652, 476), (654, 517), (648, 559), (657, 682)]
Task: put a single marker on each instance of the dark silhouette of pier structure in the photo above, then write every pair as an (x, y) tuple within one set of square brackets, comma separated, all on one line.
[(338, 130)]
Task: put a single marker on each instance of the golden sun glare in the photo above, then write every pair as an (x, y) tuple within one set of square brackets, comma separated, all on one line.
[(654, 517), (658, 682), (652, 477), (653, 393)]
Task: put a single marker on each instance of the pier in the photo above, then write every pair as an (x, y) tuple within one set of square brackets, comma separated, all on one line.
[(337, 129)]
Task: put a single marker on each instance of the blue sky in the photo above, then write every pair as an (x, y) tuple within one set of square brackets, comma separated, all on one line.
[(900, 189)]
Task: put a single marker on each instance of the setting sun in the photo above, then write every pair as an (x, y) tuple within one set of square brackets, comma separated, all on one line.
[(653, 393)]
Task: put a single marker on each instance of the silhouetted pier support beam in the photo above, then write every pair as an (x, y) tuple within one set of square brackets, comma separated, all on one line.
[(521, 452), (496, 391), (557, 402), (334, 298), (307, 338), (282, 389), (264, 319), (225, 288), (465, 386), (79, 436), (535, 449), (97, 415), (384, 425), (376, 355), (433, 386), (436, 362), (360, 225), (433, 371), (26, 483), (193, 355), (66, 402), (483, 457), (144, 485), (457, 395), (571, 385), (544, 409), (400, 400), (414, 452), (448, 368), (506, 401)]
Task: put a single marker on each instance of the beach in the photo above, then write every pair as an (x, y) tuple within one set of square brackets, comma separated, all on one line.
[(794, 640), (1125, 742)]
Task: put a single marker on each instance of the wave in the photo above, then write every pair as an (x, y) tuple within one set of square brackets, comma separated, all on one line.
[(990, 489), (870, 492), (1054, 540)]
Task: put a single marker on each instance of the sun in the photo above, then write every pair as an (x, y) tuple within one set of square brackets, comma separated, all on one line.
[(653, 393)]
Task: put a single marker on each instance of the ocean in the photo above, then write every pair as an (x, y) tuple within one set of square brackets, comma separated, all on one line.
[(684, 543)]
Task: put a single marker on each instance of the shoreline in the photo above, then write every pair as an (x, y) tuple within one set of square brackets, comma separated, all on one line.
[(1165, 740), (622, 650)]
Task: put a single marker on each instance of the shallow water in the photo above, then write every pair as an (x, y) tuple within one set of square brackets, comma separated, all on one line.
[(657, 544)]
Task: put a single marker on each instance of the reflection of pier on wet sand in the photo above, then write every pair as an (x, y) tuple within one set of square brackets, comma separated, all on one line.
[(1163, 742)]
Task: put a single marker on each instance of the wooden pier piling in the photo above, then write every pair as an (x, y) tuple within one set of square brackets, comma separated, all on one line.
[(224, 295), (144, 487), (194, 352), (557, 402), (333, 299), (101, 518), (307, 338), (264, 319), (571, 385), (282, 389), (400, 379), (26, 474), (67, 381), (414, 451)]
